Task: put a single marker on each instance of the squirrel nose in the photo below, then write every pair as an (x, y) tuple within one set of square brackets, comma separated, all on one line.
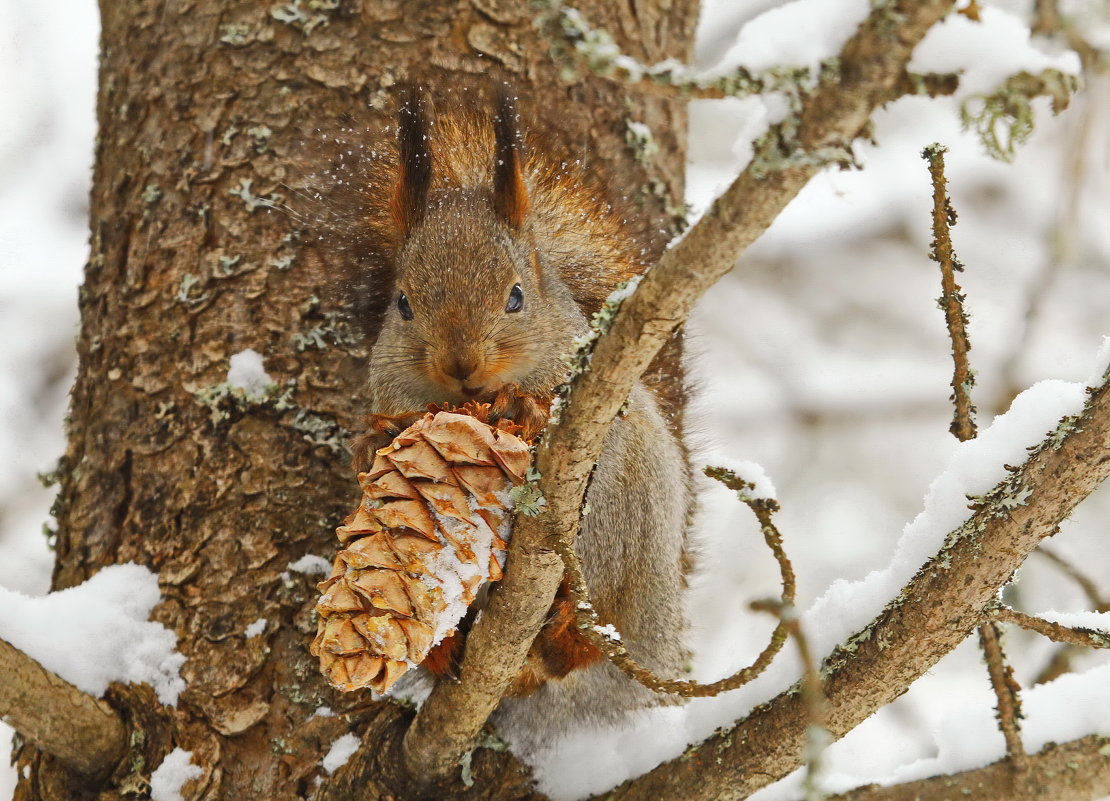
[(461, 367)]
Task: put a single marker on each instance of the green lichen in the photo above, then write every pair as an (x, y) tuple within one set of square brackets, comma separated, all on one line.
[(190, 291), (1063, 430), (527, 498), (320, 430), (1004, 119), (225, 266), (641, 141), (253, 201), (152, 194), (261, 135), (486, 739), (306, 17), (333, 329), (235, 35)]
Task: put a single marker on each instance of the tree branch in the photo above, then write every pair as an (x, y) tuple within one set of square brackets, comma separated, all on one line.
[(78, 729), (948, 598), (1006, 691), (1088, 638), (951, 299), (1074, 771), (871, 64)]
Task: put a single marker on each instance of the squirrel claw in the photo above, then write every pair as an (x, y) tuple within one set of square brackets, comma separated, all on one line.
[(528, 411), (380, 431)]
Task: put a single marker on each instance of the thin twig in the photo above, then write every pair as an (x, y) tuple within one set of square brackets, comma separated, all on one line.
[(608, 640), (1048, 21), (1006, 690), (1090, 638), (951, 300), (1058, 664), (78, 729)]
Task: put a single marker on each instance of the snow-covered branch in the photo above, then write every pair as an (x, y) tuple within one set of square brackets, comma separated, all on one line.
[(945, 601), (1073, 771)]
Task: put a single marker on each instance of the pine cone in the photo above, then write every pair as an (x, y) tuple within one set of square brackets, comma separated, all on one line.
[(431, 529)]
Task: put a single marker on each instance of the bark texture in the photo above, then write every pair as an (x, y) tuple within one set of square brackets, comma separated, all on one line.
[(204, 110)]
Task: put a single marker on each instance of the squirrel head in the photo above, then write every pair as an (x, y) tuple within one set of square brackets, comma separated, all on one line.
[(474, 305)]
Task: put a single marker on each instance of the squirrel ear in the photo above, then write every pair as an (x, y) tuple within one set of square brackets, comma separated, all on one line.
[(414, 162), (510, 195)]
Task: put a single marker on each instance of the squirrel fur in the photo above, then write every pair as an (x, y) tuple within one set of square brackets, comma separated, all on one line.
[(497, 254)]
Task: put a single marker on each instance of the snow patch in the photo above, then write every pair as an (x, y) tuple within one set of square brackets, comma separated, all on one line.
[(169, 777), (986, 52), (104, 626), (1072, 706), (1096, 621), (246, 372), (341, 750), (764, 488), (310, 564), (802, 33)]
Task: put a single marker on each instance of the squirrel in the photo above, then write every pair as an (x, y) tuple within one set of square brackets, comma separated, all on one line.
[(498, 253)]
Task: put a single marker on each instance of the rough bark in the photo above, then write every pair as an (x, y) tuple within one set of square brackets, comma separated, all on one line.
[(204, 107)]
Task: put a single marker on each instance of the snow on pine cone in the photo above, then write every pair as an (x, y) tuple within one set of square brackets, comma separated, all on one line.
[(430, 530)]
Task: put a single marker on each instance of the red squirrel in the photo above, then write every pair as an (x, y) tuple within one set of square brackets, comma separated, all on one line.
[(499, 252)]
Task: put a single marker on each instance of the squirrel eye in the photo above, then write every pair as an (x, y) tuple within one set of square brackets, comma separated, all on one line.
[(516, 299), (404, 307)]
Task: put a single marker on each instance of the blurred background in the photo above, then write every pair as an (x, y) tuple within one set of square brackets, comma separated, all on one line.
[(824, 357)]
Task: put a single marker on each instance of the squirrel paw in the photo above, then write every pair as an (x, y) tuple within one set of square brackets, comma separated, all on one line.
[(528, 411), (558, 649), (380, 431)]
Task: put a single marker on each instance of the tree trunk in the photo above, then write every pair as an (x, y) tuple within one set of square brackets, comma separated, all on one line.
[(204, 108)]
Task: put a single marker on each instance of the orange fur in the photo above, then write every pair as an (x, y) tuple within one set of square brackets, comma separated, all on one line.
[(557, 650)]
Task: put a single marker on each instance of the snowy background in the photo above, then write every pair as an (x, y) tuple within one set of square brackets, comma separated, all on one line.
[(824, 358)]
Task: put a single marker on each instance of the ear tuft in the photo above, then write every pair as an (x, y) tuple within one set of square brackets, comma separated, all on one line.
[(414, 162), (510, 195)]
